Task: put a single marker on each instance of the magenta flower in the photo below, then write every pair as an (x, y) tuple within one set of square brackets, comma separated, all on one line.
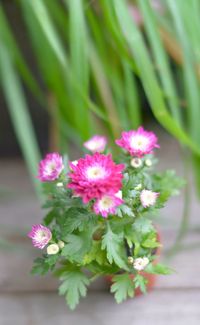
[(138, 143), (51, 167), (107, 205), (148, 198), (96, 144), (40, 236), (95, 176)]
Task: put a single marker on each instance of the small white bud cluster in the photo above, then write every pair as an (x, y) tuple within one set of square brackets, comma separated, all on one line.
[(140, 263), (53, 249)]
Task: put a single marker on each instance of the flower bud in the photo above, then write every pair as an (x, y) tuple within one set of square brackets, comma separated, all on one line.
[(60, 184), (61, 244), (136, 162), (52, 249), (148, 162), (130, 260)]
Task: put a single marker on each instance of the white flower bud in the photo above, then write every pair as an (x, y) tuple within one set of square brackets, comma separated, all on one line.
[(61, 244), (52, 249), (148, 162), (136, 162), (60, 184), (130, 260), (140, 263)]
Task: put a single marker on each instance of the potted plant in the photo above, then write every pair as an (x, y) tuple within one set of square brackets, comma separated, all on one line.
[(99, 219)]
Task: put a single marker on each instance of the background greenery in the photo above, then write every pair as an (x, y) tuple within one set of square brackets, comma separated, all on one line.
[(93, 58)]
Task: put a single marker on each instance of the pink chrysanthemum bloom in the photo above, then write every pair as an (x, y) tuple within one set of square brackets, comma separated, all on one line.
[(138, 143), (40, 236), (95, 176), (107, 205), (51, 167), (148, 198), (96, 144)]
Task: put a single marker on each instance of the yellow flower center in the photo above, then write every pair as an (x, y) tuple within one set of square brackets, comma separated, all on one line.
[(95, 172)]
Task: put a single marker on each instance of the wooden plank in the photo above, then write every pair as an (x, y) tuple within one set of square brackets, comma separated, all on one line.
[(160, 308)]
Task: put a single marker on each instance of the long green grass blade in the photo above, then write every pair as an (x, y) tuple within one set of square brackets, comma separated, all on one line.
[(19, 115), (192, 89), (161, 58), (41, 13), (7, 37), (147, 75), (79, 65), (132, 97)]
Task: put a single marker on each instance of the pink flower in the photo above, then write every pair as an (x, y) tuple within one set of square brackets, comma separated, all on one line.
[(148, 198), (40, 236), (107, 205), (138, 143), (96, 144), (51, 167), (95, 176)]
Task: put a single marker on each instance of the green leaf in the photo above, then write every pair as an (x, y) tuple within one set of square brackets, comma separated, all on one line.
[(113, 244), (140, 282), (77, 246), (49, 217), (126, 210), (95, 254), (150, 240), (149, 243), (167, 184), (74, 286), (43, 265), (123, 287), (77, 218), (158, 269), (143, 225)]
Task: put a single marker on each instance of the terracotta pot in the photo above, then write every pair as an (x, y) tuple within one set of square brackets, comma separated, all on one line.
[(151, 278)]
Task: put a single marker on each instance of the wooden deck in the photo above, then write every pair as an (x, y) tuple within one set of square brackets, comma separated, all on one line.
[(25, 300)]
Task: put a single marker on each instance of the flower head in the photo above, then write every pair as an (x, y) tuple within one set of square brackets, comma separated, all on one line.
[(138, 143), (148, 198), (107, 205), (140, 263), (95, 176), (40, 236), (96, 144), (51, 167)]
